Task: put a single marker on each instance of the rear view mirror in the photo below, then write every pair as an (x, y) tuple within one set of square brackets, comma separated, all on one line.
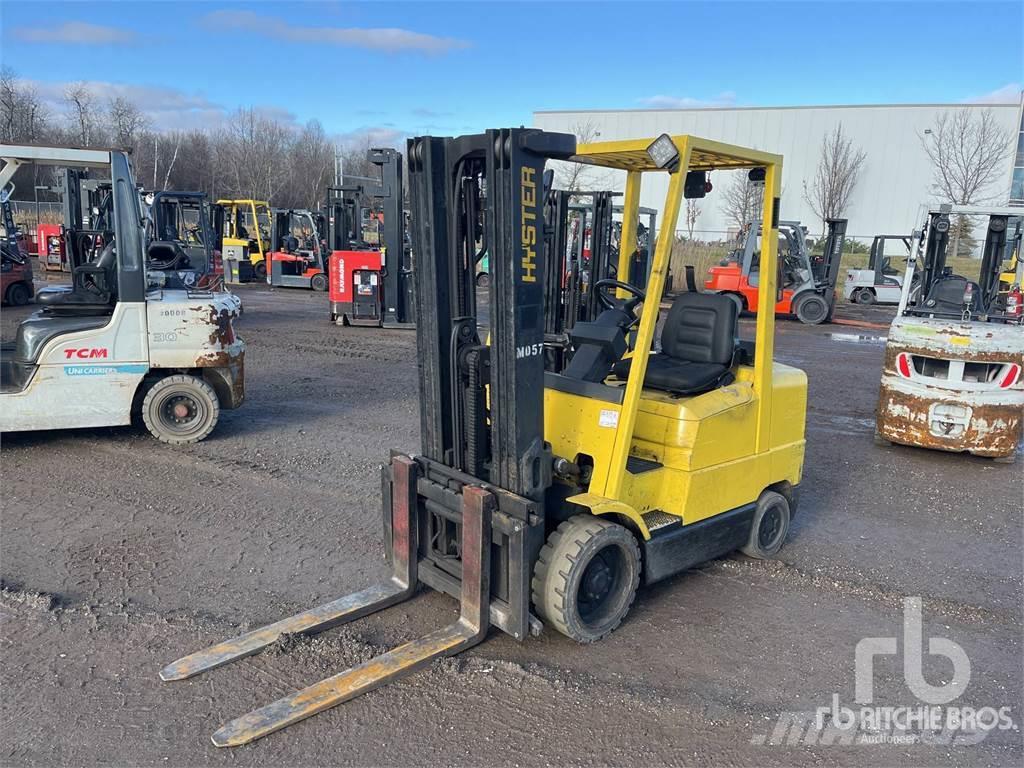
[(756, 175), (696, 185)]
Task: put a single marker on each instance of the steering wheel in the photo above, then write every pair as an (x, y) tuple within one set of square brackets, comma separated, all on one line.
[(13, 253), (610, 302)]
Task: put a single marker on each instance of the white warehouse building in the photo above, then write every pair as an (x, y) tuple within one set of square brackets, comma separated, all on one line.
[(895, 180)]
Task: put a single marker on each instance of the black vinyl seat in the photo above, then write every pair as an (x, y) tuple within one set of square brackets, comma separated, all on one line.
[(93, 290), (698, 346)]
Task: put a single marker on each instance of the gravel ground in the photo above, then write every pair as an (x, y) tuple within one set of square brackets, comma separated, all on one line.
[(119, 554)]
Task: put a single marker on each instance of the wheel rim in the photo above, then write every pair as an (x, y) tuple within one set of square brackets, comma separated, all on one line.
[(181, 413), (770, 528), (601, 586)]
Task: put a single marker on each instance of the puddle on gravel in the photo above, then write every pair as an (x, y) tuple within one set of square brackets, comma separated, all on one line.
[(857, 338)]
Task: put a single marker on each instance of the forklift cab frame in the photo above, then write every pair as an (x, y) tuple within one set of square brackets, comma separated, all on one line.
[(187, 254), (302, 264), (878, 282), (251, 249)]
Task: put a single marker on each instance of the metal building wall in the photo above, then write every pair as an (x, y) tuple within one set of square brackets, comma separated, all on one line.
[(897, 173)]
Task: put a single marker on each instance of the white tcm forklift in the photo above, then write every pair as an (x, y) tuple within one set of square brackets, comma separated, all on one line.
[(117, 343)]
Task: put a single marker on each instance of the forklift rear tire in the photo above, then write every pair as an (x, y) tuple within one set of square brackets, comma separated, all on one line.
[(770, 526), (18, 295), (260, 270), (812, 309), (180, 410), (318, 282), (865, 296), (586, 577), (738, 301)]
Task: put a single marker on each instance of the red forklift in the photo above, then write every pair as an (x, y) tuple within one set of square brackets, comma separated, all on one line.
[(807, 283), (16, 287), (371, 285), (297, 255)]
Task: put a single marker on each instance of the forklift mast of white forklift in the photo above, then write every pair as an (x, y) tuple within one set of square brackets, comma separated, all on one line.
[(943, 293)]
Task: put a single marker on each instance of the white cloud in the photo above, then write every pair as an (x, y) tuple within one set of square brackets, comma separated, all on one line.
[(167, 108), (76, 33), (389, 40), (1008, 94), (724, 99), (372, 136)]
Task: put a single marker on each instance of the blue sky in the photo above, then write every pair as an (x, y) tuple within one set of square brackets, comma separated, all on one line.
[(391, 69)]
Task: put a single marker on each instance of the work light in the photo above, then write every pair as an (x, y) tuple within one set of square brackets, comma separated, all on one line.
[(663, 152)]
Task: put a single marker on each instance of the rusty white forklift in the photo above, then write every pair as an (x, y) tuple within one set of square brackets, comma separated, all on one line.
[(116, 343), (542, 497), (954, 355)]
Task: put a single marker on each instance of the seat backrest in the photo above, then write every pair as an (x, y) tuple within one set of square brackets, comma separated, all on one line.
[(700, 328), (947, 295)]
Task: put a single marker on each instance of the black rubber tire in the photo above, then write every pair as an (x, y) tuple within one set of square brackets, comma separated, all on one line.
[(260, 270), (318, 282), (18, 295), (770, 526), (564, 561), (738, 301), (192, 393), (864, 296), (812, 309), (483, 280)]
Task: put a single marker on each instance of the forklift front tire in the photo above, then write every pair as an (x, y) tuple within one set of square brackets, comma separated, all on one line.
[(812, 309), (260, 270), (18, 295), (770, 526), (318, 282), (180, 409), (586, 577)]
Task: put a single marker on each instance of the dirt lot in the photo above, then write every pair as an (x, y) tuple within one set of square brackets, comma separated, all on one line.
[(120, 554)]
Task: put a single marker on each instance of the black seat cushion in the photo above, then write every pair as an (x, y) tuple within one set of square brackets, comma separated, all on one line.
[(680, 377), (35, 331), (698, 346)]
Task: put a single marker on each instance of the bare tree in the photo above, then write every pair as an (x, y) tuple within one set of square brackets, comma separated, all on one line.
[(127, 122), (82, 117), (22, 115), (578, 177), (311, 165), (967, 149), (742, 200), (839, 166), (251, 154), (693, 212)]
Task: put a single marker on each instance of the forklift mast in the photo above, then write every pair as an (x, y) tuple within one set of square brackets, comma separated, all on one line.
[(828, 275), (469, 194)]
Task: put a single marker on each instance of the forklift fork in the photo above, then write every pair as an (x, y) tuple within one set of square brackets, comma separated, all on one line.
[(470, 628)]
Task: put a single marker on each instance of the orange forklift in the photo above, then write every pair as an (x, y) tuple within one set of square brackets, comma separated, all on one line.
[(807, 284), (297, 260)]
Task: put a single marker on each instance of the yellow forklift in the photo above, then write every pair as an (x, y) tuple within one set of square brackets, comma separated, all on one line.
[(545, 497), (246, 241)]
